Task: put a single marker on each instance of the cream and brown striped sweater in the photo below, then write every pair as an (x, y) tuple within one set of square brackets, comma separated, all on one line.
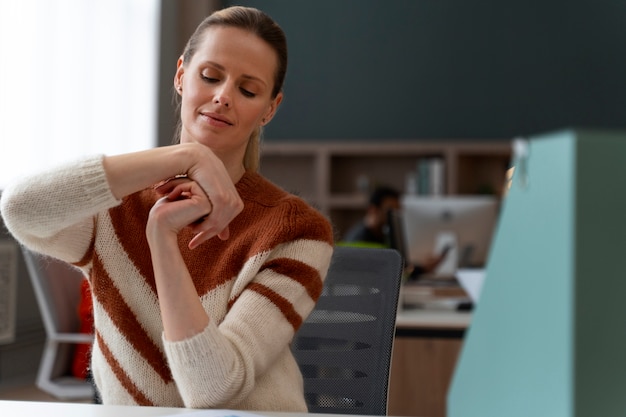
[(257, 287)]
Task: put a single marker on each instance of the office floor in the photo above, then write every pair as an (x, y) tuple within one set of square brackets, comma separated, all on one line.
[(30, 392)]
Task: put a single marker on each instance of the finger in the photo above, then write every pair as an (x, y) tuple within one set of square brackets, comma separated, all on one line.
[(225, 208), (199, 239), (166, 187), (224, 234), (204, 235), (175, 194), (203, 230)]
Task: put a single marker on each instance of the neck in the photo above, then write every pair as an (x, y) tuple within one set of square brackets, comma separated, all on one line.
[(236, 172)]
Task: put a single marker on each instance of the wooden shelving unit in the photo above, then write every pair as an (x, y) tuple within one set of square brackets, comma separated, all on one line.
[(336, 177)]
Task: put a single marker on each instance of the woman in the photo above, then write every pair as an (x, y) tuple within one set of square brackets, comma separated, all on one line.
[(200, 281)]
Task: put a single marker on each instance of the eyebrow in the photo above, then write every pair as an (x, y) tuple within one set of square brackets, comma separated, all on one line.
[(246, 76)]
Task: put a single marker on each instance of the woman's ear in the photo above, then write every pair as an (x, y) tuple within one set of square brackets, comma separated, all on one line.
[(178, 77), (272, 109)]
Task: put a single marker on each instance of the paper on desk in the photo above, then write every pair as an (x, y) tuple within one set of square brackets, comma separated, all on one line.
[(472, 281)]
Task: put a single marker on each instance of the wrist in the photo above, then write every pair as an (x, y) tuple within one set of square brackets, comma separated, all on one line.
[(190, 154), (160, 238), (163, 246)]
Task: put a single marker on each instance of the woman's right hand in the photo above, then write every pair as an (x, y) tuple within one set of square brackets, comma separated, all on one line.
[(132, 172), (183, 204), (209, 172)]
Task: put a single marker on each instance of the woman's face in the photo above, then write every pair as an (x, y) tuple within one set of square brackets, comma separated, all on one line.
[(226, 91)]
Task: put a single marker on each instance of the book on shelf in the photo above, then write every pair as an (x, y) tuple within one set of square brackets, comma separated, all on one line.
[(430, 173)]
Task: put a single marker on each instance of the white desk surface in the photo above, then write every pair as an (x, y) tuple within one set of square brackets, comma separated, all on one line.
[(432, 319), (60, 409), (432, 308), (53, 409)]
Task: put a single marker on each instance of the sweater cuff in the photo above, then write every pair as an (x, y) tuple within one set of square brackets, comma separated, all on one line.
[(204, 368), (95, 184), (206, 350)]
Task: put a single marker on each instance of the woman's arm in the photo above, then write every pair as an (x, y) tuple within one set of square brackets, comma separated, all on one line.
[(129, 173), (218, 364), (52, 211), (226, 362), (181, 311)]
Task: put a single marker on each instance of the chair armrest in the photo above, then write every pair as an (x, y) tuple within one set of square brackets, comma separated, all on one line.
[(72, 337)]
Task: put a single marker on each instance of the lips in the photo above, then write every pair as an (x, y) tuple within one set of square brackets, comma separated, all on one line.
[(217, 119)]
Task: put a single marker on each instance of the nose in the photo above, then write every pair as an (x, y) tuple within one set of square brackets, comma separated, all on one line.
[(222, 96)]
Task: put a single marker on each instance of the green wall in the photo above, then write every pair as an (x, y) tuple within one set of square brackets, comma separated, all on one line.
[(404, 69)]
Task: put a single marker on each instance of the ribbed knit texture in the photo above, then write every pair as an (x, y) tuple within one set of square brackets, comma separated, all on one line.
[(257, 287)]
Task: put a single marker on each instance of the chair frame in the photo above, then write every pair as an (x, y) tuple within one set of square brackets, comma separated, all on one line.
[(52, 309)]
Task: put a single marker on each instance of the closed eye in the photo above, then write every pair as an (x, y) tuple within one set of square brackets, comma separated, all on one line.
[(247, 93), (210, 80)]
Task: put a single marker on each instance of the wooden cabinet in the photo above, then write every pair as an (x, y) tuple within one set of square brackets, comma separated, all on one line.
[(426, 349), (337, 177), (421, 372)]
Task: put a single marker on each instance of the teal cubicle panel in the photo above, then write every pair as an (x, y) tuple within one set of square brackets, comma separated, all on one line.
[(548, 337)]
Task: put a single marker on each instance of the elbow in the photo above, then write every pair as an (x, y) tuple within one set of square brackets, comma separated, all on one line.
[(215, 393)]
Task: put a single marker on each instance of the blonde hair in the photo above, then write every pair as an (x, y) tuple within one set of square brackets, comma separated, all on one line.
[(259, 23), (252, 157)]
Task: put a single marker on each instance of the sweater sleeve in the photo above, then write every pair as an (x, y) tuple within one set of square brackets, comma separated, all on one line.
[(52, 212), (278, 256), (204, 368), (222, 366)]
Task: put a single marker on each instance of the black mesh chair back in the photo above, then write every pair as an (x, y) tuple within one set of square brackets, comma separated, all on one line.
[(344, 347)]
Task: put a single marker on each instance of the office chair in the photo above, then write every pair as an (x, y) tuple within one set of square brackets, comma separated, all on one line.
[(57, 290), (344, 347)]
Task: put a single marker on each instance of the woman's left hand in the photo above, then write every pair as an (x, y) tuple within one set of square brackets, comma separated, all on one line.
[(184, 204)]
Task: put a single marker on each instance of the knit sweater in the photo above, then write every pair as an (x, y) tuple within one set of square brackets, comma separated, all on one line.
[(257, 288)]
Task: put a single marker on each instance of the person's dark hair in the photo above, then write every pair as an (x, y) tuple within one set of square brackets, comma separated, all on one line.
[(261, 24), (381, 193)]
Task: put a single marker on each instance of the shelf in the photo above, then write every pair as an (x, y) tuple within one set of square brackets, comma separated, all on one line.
[(348, 201), (336, 177)]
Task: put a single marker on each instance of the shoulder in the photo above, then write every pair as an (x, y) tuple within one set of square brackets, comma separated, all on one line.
[(268, 205), (256, 189)]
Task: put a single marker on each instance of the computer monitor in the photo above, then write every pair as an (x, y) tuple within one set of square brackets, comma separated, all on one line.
[(428, 221)]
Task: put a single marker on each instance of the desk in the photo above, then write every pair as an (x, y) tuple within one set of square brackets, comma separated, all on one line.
[(432, 319), (33, 408), (60, 409), (425, 352)]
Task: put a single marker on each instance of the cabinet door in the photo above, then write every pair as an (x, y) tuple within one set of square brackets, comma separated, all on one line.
[(421, 372)]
